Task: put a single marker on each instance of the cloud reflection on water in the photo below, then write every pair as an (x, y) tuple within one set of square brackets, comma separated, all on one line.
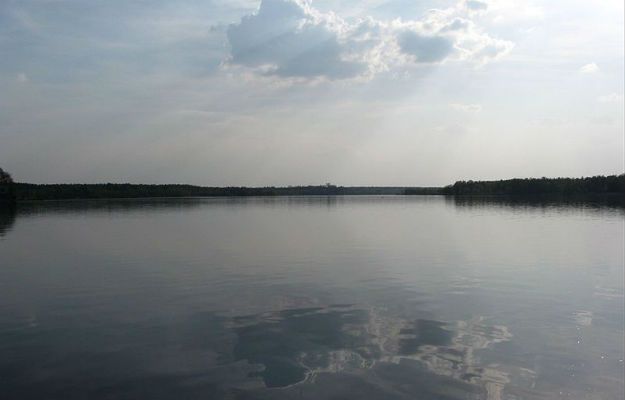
[(294, 346)]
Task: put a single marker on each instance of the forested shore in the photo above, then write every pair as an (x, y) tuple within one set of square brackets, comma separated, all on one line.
[(27, 191), (539, 186), (596, 185)]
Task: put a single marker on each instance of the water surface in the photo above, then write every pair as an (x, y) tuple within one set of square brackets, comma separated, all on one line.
[(312, 298)]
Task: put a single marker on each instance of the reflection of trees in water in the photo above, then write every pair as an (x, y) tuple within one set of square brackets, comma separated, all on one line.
[(74, 207), (580, 203), (7, 219), (168, 204)]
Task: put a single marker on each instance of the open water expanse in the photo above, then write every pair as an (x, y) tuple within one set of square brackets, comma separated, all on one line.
[(385, 297)]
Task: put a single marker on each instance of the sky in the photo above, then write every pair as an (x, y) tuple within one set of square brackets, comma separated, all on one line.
[(289, 92)]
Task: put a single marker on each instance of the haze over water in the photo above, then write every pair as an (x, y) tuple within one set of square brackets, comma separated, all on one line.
[(311, 297)]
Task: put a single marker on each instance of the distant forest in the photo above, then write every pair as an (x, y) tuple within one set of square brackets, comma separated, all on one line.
[(540, 186), (526, 187), (28, 191)]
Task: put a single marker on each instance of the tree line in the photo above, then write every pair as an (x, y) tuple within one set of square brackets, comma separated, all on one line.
[(531, 186), (29, 191), (5, 177), (7, 195), (540, 186)]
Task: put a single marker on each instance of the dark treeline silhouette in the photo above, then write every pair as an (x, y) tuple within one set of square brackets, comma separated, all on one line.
[(540, 186), (11, 191), (423, 191), (5, 177), (28, 191), (6, 188)]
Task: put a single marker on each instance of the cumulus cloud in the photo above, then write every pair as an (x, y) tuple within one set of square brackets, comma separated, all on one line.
[(589, 68), (291, 39)]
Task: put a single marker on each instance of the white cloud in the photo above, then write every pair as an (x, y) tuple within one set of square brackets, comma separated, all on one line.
[(473, 108), (589, 68), (291, 39), (610, 98)]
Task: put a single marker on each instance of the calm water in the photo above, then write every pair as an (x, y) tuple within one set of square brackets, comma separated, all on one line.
[(312, 298)]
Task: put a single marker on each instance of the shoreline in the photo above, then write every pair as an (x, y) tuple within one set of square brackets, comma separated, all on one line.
[(565, 188)]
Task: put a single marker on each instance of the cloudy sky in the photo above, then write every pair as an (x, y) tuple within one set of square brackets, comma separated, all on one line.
[(279, 92)]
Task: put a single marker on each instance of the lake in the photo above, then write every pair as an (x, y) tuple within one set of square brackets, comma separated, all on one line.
[(389, 297)]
